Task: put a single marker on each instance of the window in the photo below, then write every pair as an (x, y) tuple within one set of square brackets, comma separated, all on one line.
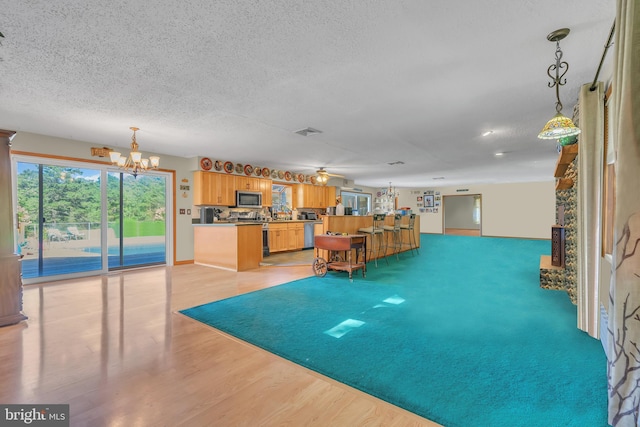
[(281, 198), (360, 203)]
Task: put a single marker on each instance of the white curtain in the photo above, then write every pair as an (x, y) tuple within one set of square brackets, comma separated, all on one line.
[(623, 331), (589, 236)]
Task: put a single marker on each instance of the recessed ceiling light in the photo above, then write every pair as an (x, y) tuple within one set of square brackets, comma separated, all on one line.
[(499, 154), (487, 133)]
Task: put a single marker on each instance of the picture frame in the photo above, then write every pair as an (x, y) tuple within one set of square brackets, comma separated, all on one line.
[(428, 200)]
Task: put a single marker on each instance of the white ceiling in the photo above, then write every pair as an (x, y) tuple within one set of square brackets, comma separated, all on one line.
[(386, 80)]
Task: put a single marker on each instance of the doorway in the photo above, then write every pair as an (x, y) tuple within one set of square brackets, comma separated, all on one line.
[(462, 215)]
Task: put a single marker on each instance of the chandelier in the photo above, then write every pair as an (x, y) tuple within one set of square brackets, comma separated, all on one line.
[(134, 163), (559, 126), (392, 191)]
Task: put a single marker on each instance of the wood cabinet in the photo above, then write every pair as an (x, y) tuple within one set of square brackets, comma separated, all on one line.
[(295, 236), (286, 236), (278, 237), (266, 187), (329, 197), (313, 196), (210, 188), (229, 246), (247, 183)]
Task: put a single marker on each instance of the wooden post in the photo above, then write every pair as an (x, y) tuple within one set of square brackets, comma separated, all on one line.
[(10, 277)]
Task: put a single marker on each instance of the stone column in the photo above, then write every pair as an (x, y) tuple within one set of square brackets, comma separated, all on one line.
[(10, 277)]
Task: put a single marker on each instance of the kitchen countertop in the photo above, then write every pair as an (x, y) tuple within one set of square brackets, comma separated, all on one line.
[(229, 223), (280, 221)]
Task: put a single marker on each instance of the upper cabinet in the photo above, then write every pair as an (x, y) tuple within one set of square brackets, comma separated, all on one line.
[(247, 184), (313, 196), (216, 189), (211, 188), (267, 191)]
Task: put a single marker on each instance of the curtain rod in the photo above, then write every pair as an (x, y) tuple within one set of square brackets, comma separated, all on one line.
[(606, 47)]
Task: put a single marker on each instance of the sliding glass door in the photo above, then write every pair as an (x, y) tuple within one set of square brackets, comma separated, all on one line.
[(136, 213), (70, 223), (58, 215)]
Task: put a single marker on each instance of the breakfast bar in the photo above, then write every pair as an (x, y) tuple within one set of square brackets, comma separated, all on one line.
[(351, 224)]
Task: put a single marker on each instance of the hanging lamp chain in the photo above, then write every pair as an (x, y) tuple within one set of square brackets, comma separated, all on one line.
[(134, 143), (558, 79)]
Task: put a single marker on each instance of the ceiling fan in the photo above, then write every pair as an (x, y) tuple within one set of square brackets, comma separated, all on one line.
[(323, 176), (322, 171)]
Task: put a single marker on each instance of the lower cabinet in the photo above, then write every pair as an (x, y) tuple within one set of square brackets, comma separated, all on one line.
[(277, 237), (286, 236)]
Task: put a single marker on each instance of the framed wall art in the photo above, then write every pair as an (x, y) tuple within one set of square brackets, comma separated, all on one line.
[(428, 200)]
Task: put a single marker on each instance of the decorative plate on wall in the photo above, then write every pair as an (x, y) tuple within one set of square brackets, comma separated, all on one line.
[(300, 177), (312, 179), (288, 176), (257, 171), (265, 172), (217, 165), (228, 167), (248, 170), (280, 174), (239, 168), (206, 163), (274, 174)]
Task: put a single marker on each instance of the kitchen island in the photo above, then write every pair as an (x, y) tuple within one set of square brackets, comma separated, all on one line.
[(235, 246)]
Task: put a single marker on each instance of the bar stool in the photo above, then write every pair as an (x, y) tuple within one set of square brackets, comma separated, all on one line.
[(375, 232), (412, 237), (396, 236)]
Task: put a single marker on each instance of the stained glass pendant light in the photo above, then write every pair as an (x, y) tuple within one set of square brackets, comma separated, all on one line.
[(559, 126)]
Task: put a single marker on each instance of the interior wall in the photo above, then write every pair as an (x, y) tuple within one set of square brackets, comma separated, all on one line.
[(524, 210), (458, 212), (66, 148)]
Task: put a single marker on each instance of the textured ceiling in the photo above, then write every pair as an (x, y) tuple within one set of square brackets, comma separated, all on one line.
[(385, 81)]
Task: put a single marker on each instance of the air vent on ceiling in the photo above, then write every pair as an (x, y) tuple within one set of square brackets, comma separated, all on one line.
[(308, 131), (397, 162)]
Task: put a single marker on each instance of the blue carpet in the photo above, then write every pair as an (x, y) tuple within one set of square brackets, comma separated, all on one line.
[(461, 334)]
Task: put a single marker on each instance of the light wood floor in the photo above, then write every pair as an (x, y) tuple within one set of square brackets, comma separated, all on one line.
[(116, 350), (462, 231)]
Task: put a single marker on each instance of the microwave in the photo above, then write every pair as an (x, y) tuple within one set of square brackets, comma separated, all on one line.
[(248, 199)]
